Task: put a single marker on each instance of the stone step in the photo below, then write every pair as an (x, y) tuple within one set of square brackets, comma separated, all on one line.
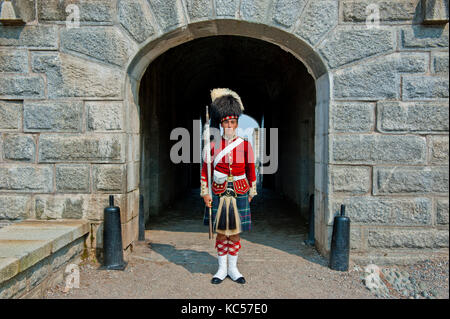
[(24, 244)]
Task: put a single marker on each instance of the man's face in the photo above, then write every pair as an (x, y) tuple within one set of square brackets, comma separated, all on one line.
[(229, 126)]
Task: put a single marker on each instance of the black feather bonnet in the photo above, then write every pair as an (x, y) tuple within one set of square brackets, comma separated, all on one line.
[(225, 104)]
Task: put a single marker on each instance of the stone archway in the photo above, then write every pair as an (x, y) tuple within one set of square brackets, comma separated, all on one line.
[(287, 42), (381, 130)]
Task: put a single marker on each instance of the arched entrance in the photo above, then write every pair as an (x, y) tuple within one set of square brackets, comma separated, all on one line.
[(280, 76)]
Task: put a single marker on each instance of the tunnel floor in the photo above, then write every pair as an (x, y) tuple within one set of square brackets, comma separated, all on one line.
[(276, 223)]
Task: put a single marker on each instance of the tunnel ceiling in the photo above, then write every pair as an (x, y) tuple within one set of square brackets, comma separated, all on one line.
[(259, 71)]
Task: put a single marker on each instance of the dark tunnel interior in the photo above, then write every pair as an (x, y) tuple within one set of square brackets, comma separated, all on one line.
[(276, 90)]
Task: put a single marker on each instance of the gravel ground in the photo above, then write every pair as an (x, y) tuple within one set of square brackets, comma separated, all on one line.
[(148, 276), (177, 261), (424, 280)]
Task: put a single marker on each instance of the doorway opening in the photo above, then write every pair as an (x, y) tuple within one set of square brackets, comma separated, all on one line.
[(277, 92)]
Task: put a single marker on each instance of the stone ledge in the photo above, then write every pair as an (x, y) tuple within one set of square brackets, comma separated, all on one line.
[(26, 243)]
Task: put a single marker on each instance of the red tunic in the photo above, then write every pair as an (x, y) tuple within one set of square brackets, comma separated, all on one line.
[(238, 162)]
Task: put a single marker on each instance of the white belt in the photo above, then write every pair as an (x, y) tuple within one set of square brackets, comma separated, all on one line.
[(221, 178)]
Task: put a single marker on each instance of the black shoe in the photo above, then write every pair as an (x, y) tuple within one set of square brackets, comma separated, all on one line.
[(216, 280), (240, 280)]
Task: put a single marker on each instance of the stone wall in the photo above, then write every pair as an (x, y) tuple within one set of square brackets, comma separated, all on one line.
[(64, 144), (69, 114), (389, 129)]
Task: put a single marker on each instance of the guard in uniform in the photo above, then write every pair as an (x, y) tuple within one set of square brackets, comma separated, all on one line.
[(233, 183)]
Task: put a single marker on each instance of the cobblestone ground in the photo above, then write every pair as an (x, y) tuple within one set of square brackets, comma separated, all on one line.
[(177, 261)]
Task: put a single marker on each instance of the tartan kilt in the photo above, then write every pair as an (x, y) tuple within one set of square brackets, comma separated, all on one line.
[(243, 207)]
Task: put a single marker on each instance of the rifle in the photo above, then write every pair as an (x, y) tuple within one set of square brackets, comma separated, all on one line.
[(206, 137)]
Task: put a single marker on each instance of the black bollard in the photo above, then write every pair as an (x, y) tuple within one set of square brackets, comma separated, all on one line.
[(340, 242), (112, 238), (141, 219), (311, 240)]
